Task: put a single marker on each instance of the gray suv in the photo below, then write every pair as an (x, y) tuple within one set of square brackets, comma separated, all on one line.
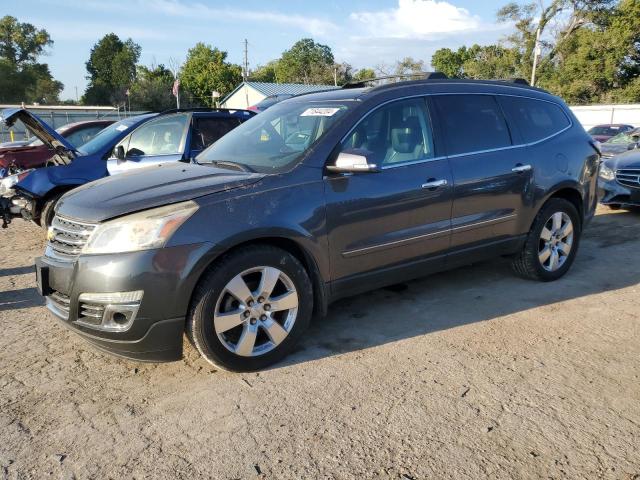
[(321, 196)]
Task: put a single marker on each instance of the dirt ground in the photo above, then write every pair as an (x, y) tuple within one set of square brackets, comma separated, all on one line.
[(472, 373)]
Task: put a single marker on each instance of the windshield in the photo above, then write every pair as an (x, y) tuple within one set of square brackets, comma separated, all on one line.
[(108, 136), (630, 137), (276, 139)]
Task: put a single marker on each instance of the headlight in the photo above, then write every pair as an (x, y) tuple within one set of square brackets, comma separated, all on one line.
[(139, 231), (607, 173), (7, 183)]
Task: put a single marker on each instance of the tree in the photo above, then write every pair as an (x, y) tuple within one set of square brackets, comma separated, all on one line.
[(265, 73), (112, 70), (478, 62), (306, 62), (21, 43), (22, 79), (152, 89), (205, 71), (364, 74)]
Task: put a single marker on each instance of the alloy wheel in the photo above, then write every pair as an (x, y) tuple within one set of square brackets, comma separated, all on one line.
[(256, 311), (556, 241)]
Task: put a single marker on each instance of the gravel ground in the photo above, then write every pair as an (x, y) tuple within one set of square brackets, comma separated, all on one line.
[(472, 373)]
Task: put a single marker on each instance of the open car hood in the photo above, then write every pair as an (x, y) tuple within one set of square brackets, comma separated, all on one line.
[(40, 129)]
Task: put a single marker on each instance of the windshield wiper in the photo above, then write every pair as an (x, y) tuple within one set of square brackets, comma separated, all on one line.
[(227, 163)]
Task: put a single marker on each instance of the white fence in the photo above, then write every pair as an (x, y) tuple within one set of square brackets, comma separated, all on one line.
[(597, 114)]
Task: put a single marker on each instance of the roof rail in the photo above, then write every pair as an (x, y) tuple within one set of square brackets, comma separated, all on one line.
[(204, 109), (516, 80), (421, 75)]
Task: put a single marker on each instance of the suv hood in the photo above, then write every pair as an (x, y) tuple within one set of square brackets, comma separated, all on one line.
[(149, 187), (40, 129)]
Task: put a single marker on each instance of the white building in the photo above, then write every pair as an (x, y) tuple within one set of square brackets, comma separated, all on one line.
[(591, 115), (248, 94)]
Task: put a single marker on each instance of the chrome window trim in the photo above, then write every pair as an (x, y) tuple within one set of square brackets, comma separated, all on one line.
[(476, 152), (360, 251)]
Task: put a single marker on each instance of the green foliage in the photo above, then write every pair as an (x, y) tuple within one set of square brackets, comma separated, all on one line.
[(112, 70), (265, 73), (592, 54), (152, 89), (205, 71), (306, 62), (22, 79), (478, 62), (364, 74)]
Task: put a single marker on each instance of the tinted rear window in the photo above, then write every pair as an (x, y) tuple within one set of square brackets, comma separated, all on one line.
[(535, 119), (471, 123)]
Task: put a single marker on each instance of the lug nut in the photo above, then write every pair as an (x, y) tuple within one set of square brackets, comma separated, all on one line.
[(267, 307), (263, 317), (253, 321), (246, 314), (250, 303), (261, 299)]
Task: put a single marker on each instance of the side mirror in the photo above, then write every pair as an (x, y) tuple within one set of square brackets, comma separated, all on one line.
[(119, 152), (354, 161)]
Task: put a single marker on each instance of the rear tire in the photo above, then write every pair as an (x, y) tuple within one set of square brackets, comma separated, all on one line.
[(552, 243), (250, 309)]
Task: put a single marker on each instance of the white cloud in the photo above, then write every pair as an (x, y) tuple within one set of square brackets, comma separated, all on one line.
[(416, 19), (314, 26)]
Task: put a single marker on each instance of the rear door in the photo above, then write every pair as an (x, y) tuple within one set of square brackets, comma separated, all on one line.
[(397, 217), (492, 179), (160, 140)]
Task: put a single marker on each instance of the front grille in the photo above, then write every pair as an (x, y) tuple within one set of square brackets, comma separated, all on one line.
[(67, 237), (629, 177), (59, 304)]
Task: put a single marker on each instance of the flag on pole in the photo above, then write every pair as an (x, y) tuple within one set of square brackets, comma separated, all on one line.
[(176, 87)]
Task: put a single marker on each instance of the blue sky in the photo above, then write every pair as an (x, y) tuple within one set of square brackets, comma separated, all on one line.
[(363, 33)]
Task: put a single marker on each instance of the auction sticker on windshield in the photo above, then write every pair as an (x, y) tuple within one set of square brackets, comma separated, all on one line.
[(319, 112)]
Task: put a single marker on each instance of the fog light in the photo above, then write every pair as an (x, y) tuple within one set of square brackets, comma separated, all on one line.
[(114, 312)]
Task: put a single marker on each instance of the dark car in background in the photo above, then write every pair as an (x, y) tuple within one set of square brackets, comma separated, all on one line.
[(171, 136), (270, 101), (619, 180), (604, 132), (321, 196), (34, 153), (621, 143)]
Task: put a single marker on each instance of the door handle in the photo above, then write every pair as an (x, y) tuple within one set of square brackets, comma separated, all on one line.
[(432, 184), (521, 168)]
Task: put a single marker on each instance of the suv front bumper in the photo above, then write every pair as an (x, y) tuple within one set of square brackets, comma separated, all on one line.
[(610, 192), (130, 304)]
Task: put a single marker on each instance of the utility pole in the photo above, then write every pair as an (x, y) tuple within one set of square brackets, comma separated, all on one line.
[(245, 70), (335, 76), (537, 50), (77, 99)]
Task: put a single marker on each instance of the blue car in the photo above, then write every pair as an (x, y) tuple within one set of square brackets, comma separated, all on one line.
[(175, 135)]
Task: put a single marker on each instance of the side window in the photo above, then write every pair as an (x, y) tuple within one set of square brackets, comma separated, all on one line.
[(471, 123), (396, 133), (207, 130), (82, 136), (535, 119), (161, 136)]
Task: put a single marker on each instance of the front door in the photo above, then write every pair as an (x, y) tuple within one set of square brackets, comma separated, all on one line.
[(159, 140), (398, 217)]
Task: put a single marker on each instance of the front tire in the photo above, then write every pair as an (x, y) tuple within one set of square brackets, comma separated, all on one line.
[(47, 212), (251, 308), (552, 243)]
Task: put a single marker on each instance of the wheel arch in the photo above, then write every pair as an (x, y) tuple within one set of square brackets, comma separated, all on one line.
[(293, 247), (573, 195)]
